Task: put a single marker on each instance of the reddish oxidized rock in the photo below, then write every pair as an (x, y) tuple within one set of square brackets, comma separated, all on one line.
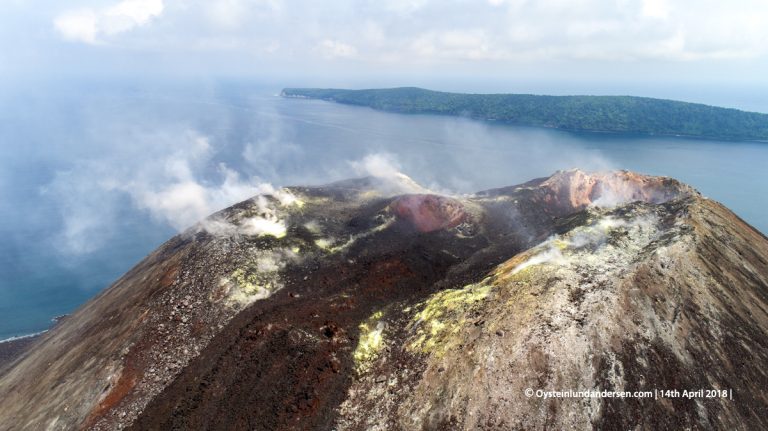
[(573, 190), (452, 331), (429, 213)]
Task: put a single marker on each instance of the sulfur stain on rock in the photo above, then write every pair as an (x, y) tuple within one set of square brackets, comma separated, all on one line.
[(421, 312), (371, 341), (443, 316)]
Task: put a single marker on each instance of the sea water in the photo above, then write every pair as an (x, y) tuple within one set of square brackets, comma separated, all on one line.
[(68, 228)]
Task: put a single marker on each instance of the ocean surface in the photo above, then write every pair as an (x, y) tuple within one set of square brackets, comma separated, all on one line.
[(93, 176)]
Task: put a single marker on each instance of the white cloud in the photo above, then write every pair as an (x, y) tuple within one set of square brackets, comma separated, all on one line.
[(79, 25), (422, 32), (136, 11), (228, 13), (470, 44), (655, 9), (336, 49), (271, 46), (404, 6), (234, 14), (89, 25)]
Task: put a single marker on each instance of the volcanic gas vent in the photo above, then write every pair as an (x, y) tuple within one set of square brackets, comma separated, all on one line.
[(392, 308), (430, 212), (573, 190)]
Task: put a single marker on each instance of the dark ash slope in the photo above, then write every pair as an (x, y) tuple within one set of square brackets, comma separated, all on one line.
[(374, 304)]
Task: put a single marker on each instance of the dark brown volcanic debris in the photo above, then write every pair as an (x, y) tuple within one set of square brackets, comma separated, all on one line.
[(12, 350), (376, 304)]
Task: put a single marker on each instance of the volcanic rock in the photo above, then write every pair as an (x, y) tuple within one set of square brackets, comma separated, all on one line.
[(366, 306), (429, 213)]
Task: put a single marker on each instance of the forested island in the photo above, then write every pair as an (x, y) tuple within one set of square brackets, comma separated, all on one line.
[(613, 114)]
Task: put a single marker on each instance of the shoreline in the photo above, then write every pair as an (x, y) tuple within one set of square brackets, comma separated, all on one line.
[(22, 337), (598, 132), (12, 348)]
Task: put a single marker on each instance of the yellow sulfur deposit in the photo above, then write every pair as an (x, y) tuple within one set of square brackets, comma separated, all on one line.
[(443, 316), (371, 341)]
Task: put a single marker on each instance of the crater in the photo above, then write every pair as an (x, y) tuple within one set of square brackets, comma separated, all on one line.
[(428, 213)]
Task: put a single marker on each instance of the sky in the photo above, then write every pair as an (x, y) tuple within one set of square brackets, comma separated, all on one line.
[(123, 121), (365, 43)]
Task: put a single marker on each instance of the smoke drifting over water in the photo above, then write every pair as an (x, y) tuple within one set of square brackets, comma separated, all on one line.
[(175, 178), (231, 148), (95, 176)]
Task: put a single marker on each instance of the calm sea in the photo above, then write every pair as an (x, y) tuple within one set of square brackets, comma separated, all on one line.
[(75, 161)]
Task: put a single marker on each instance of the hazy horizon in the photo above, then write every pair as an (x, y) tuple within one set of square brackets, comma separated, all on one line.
[(124, 121), (592, 46)]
